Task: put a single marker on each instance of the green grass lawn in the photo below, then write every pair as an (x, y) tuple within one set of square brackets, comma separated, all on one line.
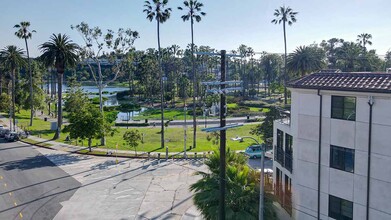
[(169, 114), (174, 139), (173, 136)]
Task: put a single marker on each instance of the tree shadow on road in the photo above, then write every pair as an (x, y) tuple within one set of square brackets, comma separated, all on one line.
[(41, 161)]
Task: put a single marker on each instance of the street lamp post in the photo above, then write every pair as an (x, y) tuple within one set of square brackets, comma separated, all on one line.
[(185, 133), (261, 193)]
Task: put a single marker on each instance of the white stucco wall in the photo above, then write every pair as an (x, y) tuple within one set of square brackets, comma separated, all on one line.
[(349, 134)]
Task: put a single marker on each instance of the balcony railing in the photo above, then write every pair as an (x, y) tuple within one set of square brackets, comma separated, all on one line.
[(288, 161), (279, 156), (284, 159), (284, 117)]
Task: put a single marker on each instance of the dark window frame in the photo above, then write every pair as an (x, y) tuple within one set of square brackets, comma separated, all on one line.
[(342, 158), (288, 143), (338, 208), (280, 139), (341, 107)]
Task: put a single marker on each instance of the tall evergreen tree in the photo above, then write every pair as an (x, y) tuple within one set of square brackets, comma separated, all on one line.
[(193, 8), (25, 33), (157, 9), (59, 52), (12, 59), (285, 15)]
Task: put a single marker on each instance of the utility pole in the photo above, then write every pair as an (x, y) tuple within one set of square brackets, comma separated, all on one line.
[(222, 139), (223, 127)]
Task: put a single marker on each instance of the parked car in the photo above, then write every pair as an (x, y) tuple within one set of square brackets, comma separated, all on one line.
[(3, 132), (254, 151), (12, 136), (23, 134)]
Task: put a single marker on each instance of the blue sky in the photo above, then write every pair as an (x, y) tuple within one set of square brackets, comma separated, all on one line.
[(228, 23)]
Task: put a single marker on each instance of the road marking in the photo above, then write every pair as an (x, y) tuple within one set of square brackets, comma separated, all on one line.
[(1, 177), (15, 204), (20, 215), (10, 193), (100, 177), (122, 191), (5, 184), (120, 197)]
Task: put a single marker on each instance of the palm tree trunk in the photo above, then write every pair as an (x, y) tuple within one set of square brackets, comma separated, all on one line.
[(161, 86), (194, 87), (59, 106), (89, 144), (31, 85), (13, 99), (285, 75), (1, 84)]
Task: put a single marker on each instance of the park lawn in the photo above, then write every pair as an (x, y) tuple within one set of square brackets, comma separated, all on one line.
[(174, 139), (169, 114), (254, 109), (173, 135), (40, 127), (232, 105)]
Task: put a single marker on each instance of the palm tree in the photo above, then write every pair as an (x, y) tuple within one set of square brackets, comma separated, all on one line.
[(348, 55), (24, 33), (242, 194), (156, 9), (193, 13), (12, 59), (59, 52), (284, 15), (364, 39), (306, 59)]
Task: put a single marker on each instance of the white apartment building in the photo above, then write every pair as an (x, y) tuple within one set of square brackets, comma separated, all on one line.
[(332, 156)]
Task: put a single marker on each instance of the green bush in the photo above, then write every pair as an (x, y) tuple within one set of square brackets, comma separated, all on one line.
[(122, 95), (198, 112), (95, 100), (109, 108)]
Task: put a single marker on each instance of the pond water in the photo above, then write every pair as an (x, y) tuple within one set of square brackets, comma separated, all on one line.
[(123, 116), (111, 92), (94, 89)]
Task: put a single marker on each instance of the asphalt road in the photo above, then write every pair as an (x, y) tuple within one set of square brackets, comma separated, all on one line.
[(256, 163), (31, 186)]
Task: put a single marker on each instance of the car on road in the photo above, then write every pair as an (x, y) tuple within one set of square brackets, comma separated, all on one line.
[(4, 132), (12, 136), (254, 151)]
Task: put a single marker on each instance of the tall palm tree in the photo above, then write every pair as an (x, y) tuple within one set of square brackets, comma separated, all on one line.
[(157, 9), (25, 33), (284, 15), (59, 52), (364, 39), (194, 12), (12, 59)]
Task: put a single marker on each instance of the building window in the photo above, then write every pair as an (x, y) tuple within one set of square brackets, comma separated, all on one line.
[(279, 153), (280, 138), (340, 209), (343, 107), (288, 152), (342, 158), (288, 143)]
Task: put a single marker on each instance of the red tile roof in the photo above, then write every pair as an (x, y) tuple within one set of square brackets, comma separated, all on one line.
[(352, 81)]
